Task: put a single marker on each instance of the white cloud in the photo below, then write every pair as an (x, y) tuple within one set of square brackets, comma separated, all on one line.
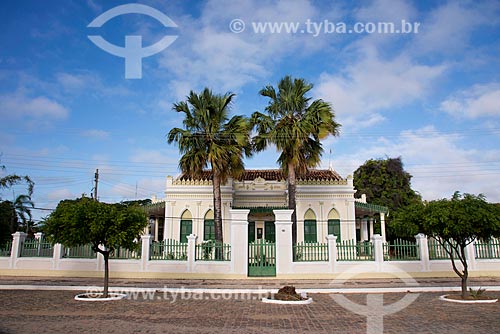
[(386, 11), (146, 156), (94, 6), (207, 53), (478, 101), (96, 134), (82, 82), (372, 85), (17, 106), (448, 29), (438, 162), (59, 194)]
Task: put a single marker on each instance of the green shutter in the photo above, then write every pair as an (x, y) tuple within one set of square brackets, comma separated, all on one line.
[(186, 229), (209, 230), (310, 231), (334, 227), (270, 231), (251, 231)]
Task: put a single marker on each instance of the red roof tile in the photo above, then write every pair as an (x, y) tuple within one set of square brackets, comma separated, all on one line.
[(276, 175)]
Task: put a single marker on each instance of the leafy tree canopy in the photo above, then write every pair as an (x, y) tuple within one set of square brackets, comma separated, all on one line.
[(454, 223), (385, 182), (83, 221), (105, 226)]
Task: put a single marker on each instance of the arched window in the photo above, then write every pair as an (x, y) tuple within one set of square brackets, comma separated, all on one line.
[(209, 226), (334, 223), (186, 226), (310, 228)]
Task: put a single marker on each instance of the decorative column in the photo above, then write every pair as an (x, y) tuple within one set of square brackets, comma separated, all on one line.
[(284, 247), (382, 226), (332, 251), (371, 226), (364, 229), (191, 251), (17, 241), (378, 248), (423, 248), (145, 248), (56, 256), (239, 241), (156, 229)]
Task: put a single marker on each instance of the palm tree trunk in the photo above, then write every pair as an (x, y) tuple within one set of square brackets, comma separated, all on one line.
[(217, 208), (292, 204)]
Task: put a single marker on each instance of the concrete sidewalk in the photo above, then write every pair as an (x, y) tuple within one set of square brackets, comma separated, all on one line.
[(359, 285)]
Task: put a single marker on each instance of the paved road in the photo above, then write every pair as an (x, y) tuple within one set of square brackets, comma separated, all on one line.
[(57, 312)]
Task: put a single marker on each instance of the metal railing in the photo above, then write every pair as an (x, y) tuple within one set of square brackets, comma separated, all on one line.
[(122, 253), (349, 250), (487, 250), (310, 252), (437, 251), (401, 250), (79, 252), (36, 248), (6, 249), (213, 251), (168, 250)]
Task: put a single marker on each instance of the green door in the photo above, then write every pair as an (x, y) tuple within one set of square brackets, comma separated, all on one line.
[(270, 231), (261, 258), (251, 231)]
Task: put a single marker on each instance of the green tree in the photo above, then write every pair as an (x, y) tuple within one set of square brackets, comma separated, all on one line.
[(7, 215), (295, 125), (22, 207), (105, 226), (454, 223), (210, 138), (13, 179), (12, 212), (385, 182)]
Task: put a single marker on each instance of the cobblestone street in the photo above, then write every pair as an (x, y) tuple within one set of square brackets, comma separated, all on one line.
[(57, 312)]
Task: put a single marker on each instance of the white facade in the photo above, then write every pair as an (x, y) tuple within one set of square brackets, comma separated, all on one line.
[(321, 197)]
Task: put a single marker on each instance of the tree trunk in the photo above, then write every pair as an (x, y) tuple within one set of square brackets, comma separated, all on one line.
[(464, 285), (105, 254), (292, 205), (465, 274), (217, 208)]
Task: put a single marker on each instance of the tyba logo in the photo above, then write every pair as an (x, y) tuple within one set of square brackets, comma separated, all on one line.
[(133, 52)]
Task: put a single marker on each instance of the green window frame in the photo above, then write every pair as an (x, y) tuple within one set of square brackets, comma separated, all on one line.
[(209, 230), (270, 231), (310, 231), (251, 231), (334, 227), (186, 229)]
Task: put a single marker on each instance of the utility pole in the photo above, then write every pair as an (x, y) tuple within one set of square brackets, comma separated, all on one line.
[(96, 181)]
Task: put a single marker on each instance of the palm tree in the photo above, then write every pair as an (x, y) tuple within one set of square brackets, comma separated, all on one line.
[(295, 126), (22, 206), (209, 138)]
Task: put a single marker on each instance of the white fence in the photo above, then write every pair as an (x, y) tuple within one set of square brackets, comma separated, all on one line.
[(146, 264)]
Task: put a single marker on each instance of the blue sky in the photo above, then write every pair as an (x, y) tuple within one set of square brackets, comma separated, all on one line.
[(66, 108)]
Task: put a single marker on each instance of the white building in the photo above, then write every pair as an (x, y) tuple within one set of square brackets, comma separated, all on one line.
[(325, 205)]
